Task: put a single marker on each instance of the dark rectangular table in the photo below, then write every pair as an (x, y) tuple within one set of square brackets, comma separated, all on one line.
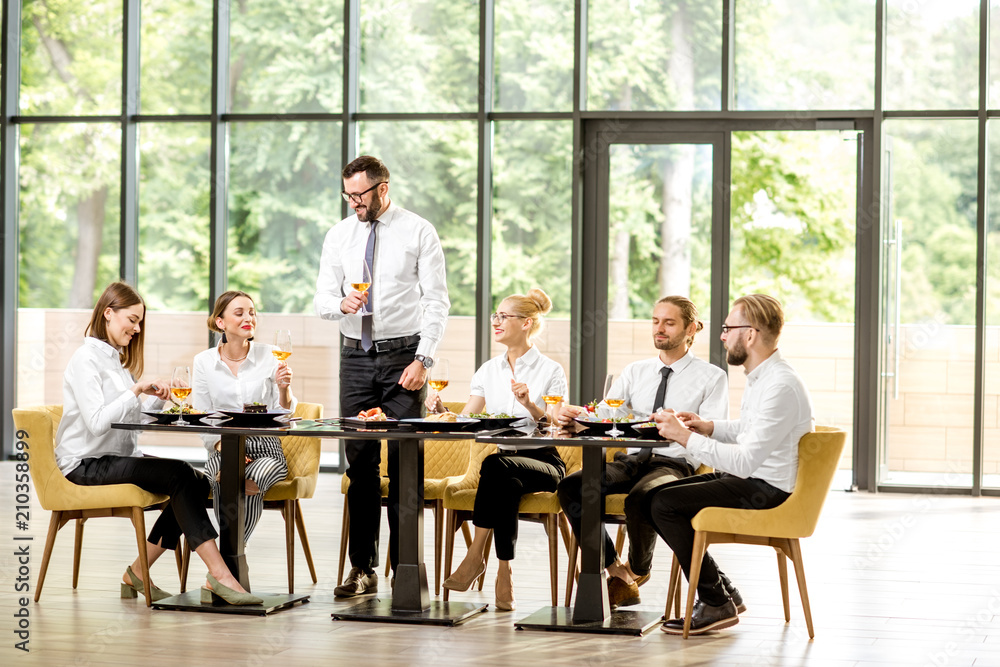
[(410, 601), (591, 611)]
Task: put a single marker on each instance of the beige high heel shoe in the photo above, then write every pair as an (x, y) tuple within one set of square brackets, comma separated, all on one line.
[(505, 594), (453, 583)]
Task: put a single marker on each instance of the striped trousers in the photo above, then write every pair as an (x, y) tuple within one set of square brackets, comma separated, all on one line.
[(268, 467)]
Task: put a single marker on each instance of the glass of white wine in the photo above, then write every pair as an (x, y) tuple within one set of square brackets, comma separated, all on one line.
[(614, 403), (362, 284), (180, 387), (552, 400), (282, 344), (439, 376)]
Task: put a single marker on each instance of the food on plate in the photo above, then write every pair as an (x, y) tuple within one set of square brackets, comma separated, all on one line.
[(188, 410), (443, 417), (255, 408), (593, 418), (373, 415), (491, 415), (591, 407)]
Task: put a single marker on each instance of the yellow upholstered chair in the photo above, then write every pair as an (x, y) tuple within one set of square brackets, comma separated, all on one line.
[(780, 527), (543, 507), (444, 463), (37, 426)]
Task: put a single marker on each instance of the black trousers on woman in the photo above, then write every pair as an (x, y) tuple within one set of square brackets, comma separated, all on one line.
[(503, 478), (187, 488), (672, 507)]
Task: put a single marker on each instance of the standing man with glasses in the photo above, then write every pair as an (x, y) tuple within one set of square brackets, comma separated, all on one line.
[(756, 457), (675, 379), (391, 331)]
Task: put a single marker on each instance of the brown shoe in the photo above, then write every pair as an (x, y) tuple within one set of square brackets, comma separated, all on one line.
[(621, 594), (357, 583), (642, 578)]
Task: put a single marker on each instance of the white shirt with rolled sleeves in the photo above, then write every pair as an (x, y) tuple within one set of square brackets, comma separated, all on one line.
[(694, 386), (763, 443), (543, 376), (214, 387), (409, 289), (97, 391)]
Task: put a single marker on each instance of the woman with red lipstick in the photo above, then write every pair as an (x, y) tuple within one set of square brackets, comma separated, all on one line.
[(513, 383), (235, 373), (100, 388)]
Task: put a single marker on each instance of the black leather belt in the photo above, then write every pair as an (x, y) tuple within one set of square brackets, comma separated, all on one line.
[(384, 345)]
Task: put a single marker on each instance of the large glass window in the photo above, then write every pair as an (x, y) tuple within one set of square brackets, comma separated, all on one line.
[(812, 54), (991, 401), (287, 56), (419, 56), (176, 62), (645, 55), (932, 54), (534, 56), (71, 57)]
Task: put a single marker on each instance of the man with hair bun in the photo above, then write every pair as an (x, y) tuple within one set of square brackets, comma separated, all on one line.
[(675, 379), (755, 457)]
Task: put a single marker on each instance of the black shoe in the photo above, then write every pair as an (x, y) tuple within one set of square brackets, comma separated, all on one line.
[(358, 582), (705, 618), (621, 594), (734, 593)]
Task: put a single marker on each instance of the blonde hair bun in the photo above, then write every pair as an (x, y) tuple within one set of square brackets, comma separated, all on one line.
[(540, 299)]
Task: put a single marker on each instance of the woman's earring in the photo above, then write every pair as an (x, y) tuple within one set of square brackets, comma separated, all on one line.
[(224, 340)]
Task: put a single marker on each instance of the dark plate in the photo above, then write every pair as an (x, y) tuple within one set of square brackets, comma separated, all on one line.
[(604, 427), (493, 423), (648, 432), (167, 418), (253, 419), (428, 425), (354, 422)]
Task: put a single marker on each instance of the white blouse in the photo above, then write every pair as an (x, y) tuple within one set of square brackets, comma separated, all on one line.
[(542, 375), (97, 391), (214, 387)]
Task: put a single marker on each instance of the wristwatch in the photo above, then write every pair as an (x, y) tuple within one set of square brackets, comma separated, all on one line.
[(426, 361)]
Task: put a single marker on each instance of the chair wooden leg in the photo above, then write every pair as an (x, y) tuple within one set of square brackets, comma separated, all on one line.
[(567, 533), (139, 521), (77, 549), (697, 554), (800, 579), (50, 540), (673, 590), (288, 514), (571, 571), (783, 579), (679, 578), (467, 534), (304, 540), (449, 545), (551, 526), (438, 510), (486, 557), (620, 540), (185, 562), (179, 559), (345, 527)]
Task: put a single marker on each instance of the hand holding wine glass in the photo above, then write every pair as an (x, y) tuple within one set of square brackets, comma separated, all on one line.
[(438, 379), (180, 387), (282, 351), (612, 401), (361, 282)]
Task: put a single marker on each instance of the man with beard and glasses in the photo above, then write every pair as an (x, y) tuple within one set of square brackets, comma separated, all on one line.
[(755, 457), (676, 379), (391, 331)]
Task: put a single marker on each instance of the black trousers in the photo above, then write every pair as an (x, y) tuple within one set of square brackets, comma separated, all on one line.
[(673, 506), (503, 478), (187, 488), (627, 474), (370, 380)]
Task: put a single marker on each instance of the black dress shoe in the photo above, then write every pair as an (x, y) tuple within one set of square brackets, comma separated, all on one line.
[(734, 593), (358, 582), (705, 618), (621, 594)]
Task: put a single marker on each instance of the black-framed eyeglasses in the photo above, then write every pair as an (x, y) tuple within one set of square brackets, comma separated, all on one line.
[(498, 318), (726, 328), (356, 196)]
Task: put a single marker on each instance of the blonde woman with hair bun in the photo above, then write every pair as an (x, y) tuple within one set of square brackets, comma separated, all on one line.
[(513, 383)]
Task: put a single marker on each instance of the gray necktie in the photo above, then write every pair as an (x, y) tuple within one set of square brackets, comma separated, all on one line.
[(366, 320), (661, 392)]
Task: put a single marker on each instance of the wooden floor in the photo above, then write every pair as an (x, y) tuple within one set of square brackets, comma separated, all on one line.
[(893, 579)]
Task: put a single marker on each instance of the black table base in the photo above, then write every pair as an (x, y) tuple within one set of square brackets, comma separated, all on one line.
[(620, 622), (439, 613), (191, 601)]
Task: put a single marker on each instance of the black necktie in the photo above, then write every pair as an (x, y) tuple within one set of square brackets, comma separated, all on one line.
[(366, 320), (661, 391)]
